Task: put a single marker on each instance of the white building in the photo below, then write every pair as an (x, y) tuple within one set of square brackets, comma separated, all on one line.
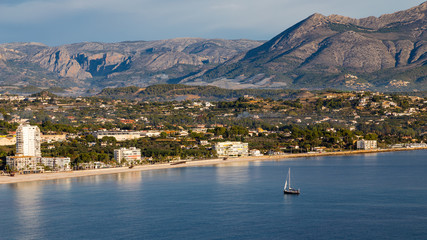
[(255, 153), (7, 140), (56, 163), (28, 141), (20, 163), (231, 149), (29, 163), (150, 133), (199, 130), (53, 138), (366, 144), (129, 154), (28, 152), (118, 135)]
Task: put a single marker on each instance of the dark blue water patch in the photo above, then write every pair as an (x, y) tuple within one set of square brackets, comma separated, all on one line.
[(373, 196)]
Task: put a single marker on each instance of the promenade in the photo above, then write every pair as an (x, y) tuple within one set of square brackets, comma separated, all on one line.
[(195, 163)]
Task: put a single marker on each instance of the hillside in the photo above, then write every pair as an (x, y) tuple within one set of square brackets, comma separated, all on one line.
[(386, 53), (84, 66), (179, 92)]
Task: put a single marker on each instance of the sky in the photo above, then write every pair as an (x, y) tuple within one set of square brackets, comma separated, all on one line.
[(57, 22)]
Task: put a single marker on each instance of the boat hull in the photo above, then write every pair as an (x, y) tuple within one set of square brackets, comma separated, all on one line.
[(296, 192)]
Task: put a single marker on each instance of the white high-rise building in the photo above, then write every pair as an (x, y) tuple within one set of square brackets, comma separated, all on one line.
[(28, 141)]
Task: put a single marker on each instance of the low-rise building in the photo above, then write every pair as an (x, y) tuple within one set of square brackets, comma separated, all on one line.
[(118, 135), (93, 165), (7, 140), (366, 144), (416, 145), (56, 163), (199, 130), (318, 149), (20, 163), (409, 145), (255, 153), (53, 138), (231, 149), (130, 155), (31, 163), (150, 133)]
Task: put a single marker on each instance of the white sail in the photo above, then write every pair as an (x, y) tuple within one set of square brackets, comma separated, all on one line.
[(288, 178)]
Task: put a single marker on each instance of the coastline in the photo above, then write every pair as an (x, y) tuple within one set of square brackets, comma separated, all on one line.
[(196, 163)]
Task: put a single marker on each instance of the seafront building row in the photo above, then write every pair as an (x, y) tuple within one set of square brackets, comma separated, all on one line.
[(28, 150), (28, 157), (28, 153), (38, 164)]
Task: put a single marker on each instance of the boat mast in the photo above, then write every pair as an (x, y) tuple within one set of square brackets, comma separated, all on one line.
[(286, 183), (289, 174)]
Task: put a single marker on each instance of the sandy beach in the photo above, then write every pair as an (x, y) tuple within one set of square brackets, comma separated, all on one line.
[(72, 174)]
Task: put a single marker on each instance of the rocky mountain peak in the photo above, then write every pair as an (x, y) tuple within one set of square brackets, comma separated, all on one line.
[(325, 48), (411, 15), (316, 17), (421, 7)]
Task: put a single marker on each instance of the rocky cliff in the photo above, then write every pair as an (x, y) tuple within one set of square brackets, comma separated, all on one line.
[(88, 65)]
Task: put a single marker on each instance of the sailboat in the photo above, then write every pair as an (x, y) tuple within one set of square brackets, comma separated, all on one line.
[(288, 189)]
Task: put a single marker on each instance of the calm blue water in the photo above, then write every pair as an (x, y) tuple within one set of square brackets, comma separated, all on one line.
[(374, 196)]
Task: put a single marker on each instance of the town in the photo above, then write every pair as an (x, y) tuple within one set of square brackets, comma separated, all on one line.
[(45, 132)]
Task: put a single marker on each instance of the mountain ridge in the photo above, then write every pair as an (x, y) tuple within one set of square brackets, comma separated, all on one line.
[(90, 65), (320, 51), (385, 53)]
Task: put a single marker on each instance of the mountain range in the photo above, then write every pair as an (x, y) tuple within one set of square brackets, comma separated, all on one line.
[(386, 53), (91, 65)]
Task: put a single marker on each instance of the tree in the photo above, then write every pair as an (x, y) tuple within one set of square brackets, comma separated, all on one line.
[(371, 136), (219, 131), (109, 140)]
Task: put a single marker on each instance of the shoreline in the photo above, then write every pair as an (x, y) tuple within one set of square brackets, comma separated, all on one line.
[(196, 163)]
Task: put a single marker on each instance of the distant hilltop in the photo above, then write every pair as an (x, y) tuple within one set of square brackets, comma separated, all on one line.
[(387, 53)]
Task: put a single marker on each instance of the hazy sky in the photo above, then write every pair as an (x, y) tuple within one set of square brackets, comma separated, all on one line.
[(56, 22)]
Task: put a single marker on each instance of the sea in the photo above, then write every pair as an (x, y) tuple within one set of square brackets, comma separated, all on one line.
[(370, 196)]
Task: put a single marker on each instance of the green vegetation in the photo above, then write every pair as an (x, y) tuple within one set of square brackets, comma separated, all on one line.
[(289, 121), (169, 92), (44, 94)]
